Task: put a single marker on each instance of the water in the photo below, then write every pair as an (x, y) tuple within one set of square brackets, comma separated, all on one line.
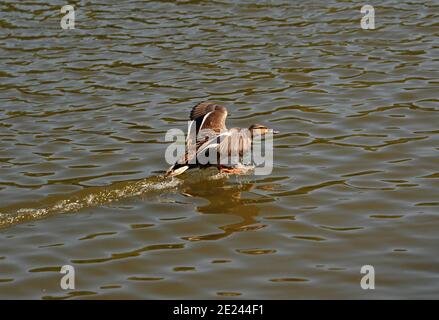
[(83, 114)]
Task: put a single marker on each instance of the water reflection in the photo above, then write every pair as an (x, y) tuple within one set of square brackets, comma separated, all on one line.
[(230, 198)]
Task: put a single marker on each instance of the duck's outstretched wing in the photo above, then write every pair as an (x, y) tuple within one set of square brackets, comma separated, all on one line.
[(201, 109), (209, 115), (210, 142), (205, 116), (230, 148), (183, 164)]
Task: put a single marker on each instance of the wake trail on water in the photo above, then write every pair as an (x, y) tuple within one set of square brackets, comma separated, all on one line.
[(85, 198), (103, 195)]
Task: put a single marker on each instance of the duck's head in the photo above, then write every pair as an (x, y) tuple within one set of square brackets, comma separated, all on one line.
[(260, 129)]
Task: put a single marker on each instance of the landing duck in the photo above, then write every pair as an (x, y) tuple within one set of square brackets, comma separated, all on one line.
[(209, 121)]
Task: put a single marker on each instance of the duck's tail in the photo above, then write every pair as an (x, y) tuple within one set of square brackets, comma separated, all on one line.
[(175, 171)]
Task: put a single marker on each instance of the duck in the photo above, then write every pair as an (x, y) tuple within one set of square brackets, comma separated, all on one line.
[(212, 135)]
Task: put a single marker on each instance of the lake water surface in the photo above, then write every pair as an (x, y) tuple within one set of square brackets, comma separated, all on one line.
[(83, 117)]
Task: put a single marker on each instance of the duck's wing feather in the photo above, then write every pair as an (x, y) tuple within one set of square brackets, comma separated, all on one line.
[(205, 116), (191, 152), (209, 142), (234, 143), (230, 147), (201, 109), (209, 115)]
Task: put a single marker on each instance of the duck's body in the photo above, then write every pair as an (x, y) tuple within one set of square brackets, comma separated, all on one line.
[(213, 136)]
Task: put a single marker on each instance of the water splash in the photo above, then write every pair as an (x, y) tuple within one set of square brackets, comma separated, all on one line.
[(89, 197), (96, 196)]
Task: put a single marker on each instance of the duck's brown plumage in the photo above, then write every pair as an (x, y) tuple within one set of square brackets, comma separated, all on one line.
[(216, 116), (211, 116)]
